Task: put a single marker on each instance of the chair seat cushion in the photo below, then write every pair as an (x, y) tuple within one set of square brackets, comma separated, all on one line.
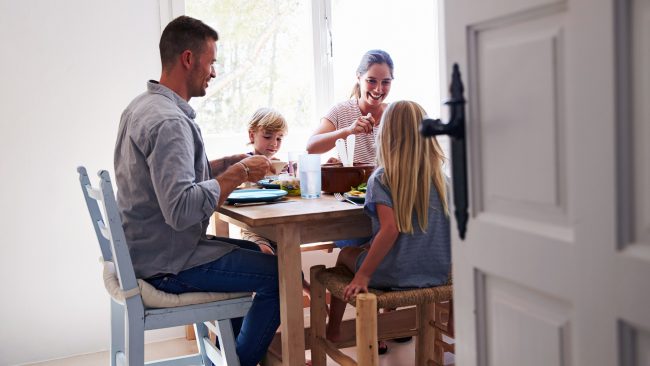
[(154, 298), (336, 278)]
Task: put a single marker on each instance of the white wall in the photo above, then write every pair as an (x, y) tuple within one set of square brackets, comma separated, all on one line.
[(67, 70)]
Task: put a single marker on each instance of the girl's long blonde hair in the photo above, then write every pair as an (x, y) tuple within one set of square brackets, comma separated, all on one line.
[(411, 163)]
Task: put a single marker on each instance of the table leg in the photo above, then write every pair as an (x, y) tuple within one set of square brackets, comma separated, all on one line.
[(291, 312), (221, 227)]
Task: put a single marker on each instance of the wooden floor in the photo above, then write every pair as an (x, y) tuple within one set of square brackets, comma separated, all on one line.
[(398, 354)]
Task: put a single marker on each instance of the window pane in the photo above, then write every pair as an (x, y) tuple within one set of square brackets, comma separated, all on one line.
[(407, 30), (264, 59)]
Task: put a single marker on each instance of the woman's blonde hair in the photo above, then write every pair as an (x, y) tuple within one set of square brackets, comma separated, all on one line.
[(411, 163), (268, 119)]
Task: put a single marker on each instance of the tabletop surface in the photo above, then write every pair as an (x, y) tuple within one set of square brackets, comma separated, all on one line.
[(295, 210)]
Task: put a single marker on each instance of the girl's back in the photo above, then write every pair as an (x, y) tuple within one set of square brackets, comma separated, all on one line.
[(420, 259)]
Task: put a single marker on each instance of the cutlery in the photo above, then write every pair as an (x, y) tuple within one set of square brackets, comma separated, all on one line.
[(342, 198), (241, 204)]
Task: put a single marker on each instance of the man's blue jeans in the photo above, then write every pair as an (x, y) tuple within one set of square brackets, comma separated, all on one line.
[(244, 269), (357, 242)]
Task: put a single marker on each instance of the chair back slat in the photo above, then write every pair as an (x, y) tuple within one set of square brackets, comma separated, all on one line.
[(108, 226), (95, 214), (94, 193), (122, 258), (103, 229)]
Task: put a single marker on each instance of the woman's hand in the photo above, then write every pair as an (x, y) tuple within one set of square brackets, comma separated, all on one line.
[(363, 124), (358, 284), (333, 160)]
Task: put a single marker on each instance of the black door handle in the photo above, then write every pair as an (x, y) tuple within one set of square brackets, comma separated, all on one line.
[(456, 130)]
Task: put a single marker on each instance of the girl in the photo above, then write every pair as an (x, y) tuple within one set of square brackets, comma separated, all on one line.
[(406, 201)]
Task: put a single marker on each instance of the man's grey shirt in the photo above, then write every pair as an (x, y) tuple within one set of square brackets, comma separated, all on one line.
[(165, 191)]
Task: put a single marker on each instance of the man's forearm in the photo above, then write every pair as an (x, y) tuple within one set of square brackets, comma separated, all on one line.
[(219, 166), (229, 180)]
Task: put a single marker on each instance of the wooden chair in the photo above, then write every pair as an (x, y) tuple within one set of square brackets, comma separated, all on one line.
[(427, 334), (136, 306)]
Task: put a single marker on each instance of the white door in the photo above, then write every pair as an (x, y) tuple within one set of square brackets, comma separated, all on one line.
[(555, 267)]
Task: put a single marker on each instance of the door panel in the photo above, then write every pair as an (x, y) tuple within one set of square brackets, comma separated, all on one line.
[(555, 266), (633, 257), (513, 310), (640, 24), (519, 111)]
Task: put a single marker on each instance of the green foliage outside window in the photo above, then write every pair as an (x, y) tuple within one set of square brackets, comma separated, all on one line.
[(264, 59)]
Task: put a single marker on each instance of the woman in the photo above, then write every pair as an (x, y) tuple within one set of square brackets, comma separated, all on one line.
[(360, 114)]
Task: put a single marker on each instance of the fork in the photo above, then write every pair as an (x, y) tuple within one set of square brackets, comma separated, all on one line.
[(342, 198)]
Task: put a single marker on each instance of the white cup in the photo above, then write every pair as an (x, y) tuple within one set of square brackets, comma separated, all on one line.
[(309, 167), (278, 165)]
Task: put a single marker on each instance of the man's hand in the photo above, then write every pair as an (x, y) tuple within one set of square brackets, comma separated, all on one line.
[(257, 165), (251, 169)]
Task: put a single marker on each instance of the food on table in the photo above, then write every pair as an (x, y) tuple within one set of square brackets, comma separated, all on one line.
[(356, 193), (292, 186)]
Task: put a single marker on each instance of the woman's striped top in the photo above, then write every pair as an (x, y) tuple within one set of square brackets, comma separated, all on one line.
[(342, 115)]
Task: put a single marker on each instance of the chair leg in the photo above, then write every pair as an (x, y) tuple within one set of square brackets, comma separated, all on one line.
[(227, 344), (201, 332), (318, 314), (117, 331), (366, 326), (134, 340), (444, 326), (424, 346)]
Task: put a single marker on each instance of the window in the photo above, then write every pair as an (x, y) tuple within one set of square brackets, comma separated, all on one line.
[(264, 59), (300, 57), (408, 32)]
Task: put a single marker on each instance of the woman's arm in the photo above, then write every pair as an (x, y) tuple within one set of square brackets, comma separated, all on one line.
[(381, 245), (324, 137), (326, 134)]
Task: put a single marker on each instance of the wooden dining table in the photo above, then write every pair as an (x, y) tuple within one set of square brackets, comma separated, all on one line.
[(291, 223)]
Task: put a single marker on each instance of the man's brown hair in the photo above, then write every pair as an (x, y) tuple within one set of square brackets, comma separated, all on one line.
[(183, 33)]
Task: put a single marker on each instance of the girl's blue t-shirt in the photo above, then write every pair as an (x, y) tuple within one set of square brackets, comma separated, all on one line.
[(421, 259)]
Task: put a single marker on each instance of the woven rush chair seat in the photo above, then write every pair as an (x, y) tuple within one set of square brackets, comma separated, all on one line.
[(429, 347), (336, 278)]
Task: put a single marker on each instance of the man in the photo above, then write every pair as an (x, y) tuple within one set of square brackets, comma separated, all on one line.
[(167, 191)]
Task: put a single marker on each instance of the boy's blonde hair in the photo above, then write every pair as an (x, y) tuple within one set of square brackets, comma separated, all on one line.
[(411, 163), (268, 119)]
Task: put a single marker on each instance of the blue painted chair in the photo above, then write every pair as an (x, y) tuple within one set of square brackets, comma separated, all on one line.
[(136, 306)]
